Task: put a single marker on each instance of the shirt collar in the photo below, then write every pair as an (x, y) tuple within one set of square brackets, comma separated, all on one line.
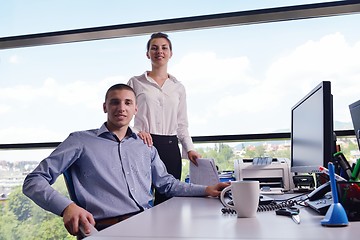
[(171, 77), (104, 130)]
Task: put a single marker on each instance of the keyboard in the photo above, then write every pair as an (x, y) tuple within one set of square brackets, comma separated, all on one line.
[(265, 200)]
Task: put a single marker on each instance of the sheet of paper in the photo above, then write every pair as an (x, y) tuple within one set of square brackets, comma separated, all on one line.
[(205, 173)]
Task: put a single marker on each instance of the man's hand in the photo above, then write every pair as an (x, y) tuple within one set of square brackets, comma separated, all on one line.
[(192, 155), (146, 137), (74, 215), (215, 190)]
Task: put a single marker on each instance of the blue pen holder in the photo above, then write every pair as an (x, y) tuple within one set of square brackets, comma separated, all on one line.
[(349, 197), (335, 215)]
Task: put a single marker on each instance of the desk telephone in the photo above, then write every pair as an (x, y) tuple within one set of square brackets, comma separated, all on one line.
[(319, 199)]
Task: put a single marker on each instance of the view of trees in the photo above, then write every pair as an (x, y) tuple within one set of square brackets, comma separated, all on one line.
[(20, 218), (225, 156)]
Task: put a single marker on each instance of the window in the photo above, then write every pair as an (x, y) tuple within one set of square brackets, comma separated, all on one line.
[(27, 17), (239, 79)]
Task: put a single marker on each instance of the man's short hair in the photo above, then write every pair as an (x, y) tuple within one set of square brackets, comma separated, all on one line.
[(119, 86)]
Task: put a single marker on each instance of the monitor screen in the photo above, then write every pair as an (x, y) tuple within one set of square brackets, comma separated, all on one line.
[(312, 134), (355, 116)]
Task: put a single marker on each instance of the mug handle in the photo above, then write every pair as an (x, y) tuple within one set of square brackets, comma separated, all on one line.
[(222, 194)]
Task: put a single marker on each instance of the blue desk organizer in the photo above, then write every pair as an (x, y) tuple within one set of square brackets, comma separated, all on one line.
[(336, 215)]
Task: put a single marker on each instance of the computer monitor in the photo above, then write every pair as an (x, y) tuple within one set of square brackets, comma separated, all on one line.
[(355, 116), (312, 134)]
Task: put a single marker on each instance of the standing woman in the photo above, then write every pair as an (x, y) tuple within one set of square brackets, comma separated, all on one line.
[(162, 109)]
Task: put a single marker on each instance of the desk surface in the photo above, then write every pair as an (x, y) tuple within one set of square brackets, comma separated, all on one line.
[(201, 218)]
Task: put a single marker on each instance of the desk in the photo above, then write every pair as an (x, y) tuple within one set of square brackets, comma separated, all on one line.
[(201, 218)]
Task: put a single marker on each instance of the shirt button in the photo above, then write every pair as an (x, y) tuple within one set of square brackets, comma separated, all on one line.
[(127, 173)]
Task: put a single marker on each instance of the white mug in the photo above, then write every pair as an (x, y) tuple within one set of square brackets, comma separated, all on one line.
[(245, 196)]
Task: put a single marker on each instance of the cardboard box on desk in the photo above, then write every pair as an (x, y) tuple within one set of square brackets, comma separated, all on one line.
[(275, 174), (349, 197)]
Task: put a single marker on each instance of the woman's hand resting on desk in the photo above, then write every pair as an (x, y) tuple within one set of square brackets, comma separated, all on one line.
[(215, 190)]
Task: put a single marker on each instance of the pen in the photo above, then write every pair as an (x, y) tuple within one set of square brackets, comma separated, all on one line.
[(355, 175), (343, 163), (326, 171)]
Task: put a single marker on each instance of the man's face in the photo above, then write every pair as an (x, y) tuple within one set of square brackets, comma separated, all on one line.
[(120, 107)]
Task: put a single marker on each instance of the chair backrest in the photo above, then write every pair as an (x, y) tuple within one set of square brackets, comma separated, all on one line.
[(70, 186)]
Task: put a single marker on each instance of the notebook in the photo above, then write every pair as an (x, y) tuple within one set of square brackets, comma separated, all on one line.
[(205, 173)]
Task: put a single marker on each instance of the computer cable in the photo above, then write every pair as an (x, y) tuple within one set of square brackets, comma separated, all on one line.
[(273, 206)]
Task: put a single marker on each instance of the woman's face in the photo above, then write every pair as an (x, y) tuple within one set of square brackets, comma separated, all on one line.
[(159, 52)]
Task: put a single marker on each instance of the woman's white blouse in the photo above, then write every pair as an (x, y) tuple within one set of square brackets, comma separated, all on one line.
[(162, 110)]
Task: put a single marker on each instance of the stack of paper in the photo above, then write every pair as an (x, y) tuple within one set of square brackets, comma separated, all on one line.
[(205, 173)]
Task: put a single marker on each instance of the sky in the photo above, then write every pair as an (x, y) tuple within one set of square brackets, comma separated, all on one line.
[(239, 80)]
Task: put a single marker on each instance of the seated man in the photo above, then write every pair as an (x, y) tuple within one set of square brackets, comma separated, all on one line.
[(111, 168)]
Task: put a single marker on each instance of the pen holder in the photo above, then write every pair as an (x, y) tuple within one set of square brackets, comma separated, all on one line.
[(349, 197)]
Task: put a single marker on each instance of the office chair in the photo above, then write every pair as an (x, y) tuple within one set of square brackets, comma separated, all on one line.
[(71, 191), (70, 186)]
